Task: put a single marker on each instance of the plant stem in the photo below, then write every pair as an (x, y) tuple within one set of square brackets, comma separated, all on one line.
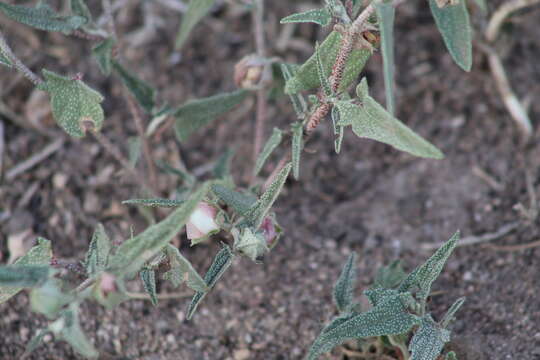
[(262, 106), (18, 64), (136, 113)]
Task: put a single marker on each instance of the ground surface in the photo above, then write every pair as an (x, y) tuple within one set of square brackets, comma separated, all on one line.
[(371, 199)]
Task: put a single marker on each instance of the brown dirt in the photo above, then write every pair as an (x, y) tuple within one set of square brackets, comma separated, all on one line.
[(370, 199)]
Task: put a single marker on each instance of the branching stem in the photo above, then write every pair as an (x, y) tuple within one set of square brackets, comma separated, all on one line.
[(18, 64)]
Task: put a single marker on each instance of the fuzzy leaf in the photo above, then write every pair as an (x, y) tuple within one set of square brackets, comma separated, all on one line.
[(23, 276), (307, 76), (387, 318), (385, 14), (4, 60), (318, 16), (252, 245), (40, 254), (79, 8), (299, 103), (426, 274), (154, 202), (49, 298), (133, 253), (69, 329), (258, 211), (323, 77), (221, 263), (35, 342), (42, 17), (297, 146), (237, 201), (450, 314), (271, 144), (183, 174), (148, 278), (370, 120), (344, 287), (73, 103), (428, 341), (182, 270), (143, 93), (222, 167), (103, 54), (198, 113), (453, 23), (390, 276), (196, 11), (98, 252), (338, 129)]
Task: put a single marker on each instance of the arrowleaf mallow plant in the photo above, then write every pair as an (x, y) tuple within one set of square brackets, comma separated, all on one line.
[(397, 320), (324, 85)]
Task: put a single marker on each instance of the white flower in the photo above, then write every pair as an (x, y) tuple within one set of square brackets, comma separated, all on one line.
[(202, 222)]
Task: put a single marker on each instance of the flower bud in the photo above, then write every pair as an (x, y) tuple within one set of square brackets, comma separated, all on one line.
[(202, 222), (249, 72), (107, 284), (270, 230)]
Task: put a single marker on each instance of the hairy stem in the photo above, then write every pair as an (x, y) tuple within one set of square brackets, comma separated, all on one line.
[(18, 64)]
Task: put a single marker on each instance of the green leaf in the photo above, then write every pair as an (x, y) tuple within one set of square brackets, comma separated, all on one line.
[(249, 243), (221, 263), (453, 23), (338, 129), (73, 103), (390, 276), (299, 103), (40, 254), (42, 17), (307, 77), (68, 328), (222, 167), (385, 14), (370, 120), (196, 11), (271, 144), (450, 356), (79, 8), (318, 16), (387, 318), (134, 150), (375, 296), (323, 77), (23, 276), (196, 114), (344, 287), (424, 276), (428, 341), (296, 147), (450, 314), (148, 278), (182, 270), (133, 253), (258, 211), (237, 201), (183, 174), (49, 299), (157, 202), (103, 54), (4, 59), (143, 93), (35, 342), (98, 253)]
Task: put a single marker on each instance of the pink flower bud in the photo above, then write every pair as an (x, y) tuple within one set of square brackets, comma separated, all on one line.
[(202, 221), (107, 284), (270, 231)]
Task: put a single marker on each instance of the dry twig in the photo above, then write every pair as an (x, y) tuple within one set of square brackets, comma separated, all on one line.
[(34, 159)]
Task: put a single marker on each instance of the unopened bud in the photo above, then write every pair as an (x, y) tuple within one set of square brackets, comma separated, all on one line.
[(107, 284), (249, 72), (271, 231)]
